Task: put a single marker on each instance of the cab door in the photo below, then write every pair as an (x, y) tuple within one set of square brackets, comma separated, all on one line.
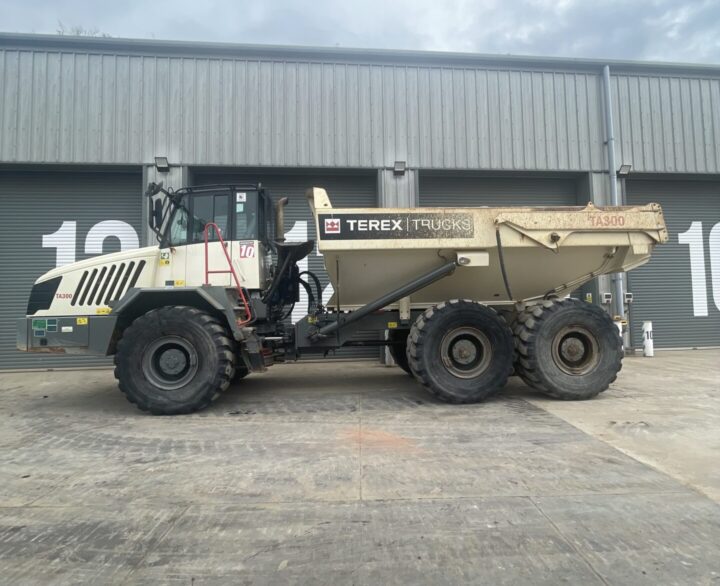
[(212, 206), (246, 254)]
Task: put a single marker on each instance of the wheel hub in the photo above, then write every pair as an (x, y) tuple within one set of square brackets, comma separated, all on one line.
[(170, 362), (572, 349), (465, 352), (575, 350)]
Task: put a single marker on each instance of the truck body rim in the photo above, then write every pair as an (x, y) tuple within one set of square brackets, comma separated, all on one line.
[(466, 352), (170, 362), (575, 350)]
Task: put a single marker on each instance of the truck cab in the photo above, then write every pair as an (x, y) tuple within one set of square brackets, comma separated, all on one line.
[(242, 216), (215, 248)]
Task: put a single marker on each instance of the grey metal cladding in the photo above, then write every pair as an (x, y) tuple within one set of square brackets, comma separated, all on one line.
[(69, 106), (668, 124)]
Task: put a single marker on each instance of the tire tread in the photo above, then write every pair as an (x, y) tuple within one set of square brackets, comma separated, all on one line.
[(529, 322), (224, 345)]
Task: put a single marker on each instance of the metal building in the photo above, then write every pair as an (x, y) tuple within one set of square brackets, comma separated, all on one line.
[(82, 121)]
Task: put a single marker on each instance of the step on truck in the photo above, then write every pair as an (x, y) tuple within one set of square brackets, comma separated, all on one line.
[(461, 297)]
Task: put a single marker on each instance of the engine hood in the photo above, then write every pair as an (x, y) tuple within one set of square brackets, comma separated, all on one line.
[(125, 255)]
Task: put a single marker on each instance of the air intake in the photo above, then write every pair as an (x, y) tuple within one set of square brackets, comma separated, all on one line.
[(109, 283)]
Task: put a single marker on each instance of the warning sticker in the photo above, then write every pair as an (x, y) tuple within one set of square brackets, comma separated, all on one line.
[(81, 321)]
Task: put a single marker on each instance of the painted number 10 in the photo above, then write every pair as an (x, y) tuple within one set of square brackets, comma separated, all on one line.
[(698, 276)]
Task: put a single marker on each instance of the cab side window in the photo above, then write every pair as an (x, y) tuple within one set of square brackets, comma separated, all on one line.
[(246, 217), (179, 228)]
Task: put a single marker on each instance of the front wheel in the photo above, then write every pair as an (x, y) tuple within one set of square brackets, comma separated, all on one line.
[(461, 351), (174, 360)]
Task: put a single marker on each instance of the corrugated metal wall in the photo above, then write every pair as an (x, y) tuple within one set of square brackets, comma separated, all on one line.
[(112, 108), (667, 124)]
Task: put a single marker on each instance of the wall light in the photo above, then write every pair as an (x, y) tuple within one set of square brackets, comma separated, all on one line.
[(624, 170), (399, 168), (162, 165)]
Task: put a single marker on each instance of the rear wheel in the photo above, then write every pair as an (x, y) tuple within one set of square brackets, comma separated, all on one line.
[(461, 351), (174, 360), (568, 349)]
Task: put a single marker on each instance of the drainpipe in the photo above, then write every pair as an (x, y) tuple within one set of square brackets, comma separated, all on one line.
[(612, 172)]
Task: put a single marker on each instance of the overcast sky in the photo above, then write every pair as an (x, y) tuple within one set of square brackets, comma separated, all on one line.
[(665, 30)]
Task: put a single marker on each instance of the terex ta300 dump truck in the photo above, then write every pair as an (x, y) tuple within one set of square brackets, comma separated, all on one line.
[(466, 295)]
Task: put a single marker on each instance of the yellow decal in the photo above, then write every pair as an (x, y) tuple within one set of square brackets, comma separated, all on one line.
[(164, 259), (179, 283), (392, 325), (103, 310), (81, 321)]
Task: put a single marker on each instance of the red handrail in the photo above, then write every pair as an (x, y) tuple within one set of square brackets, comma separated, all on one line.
[(208, 272)]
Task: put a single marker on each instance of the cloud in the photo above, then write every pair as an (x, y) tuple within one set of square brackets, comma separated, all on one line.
[(665, 30)]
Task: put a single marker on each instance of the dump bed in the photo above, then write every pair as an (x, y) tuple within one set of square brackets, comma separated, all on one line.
[(542, 250)]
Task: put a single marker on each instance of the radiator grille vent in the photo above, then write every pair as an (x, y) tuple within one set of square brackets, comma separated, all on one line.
[(106, 284)]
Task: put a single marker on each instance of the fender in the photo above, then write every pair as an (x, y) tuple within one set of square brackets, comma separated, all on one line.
[(208, 298)]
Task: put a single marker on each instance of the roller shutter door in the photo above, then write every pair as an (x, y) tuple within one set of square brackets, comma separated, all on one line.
[(442, 190), (675, 289), (46, 219), (345, 190)]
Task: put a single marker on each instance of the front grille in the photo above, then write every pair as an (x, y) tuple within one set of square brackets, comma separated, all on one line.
[(100, 286)]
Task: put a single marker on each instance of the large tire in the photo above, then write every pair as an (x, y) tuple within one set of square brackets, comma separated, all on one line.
[(460, 351), (398, 350), (174, 360), (567, 349)]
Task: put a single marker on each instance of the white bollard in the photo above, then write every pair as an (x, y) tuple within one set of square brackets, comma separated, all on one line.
[(619, 325), (648, 344)]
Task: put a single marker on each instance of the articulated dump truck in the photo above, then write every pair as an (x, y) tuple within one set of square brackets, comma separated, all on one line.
[(462, 297)]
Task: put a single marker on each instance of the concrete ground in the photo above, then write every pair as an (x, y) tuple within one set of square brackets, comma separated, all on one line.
[(349, 473)]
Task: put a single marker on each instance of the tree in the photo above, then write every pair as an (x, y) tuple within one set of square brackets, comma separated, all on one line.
[(79, 31)]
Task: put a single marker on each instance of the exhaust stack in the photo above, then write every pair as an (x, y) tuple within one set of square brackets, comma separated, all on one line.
[(280, 219)]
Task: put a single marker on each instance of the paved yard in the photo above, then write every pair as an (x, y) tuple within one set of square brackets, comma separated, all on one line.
[(350, 474)]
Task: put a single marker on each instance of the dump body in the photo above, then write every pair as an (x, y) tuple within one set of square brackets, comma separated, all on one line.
[(544, 250)]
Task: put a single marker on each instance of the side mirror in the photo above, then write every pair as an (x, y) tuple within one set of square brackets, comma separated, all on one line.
[(157, 214), (153, 189)]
